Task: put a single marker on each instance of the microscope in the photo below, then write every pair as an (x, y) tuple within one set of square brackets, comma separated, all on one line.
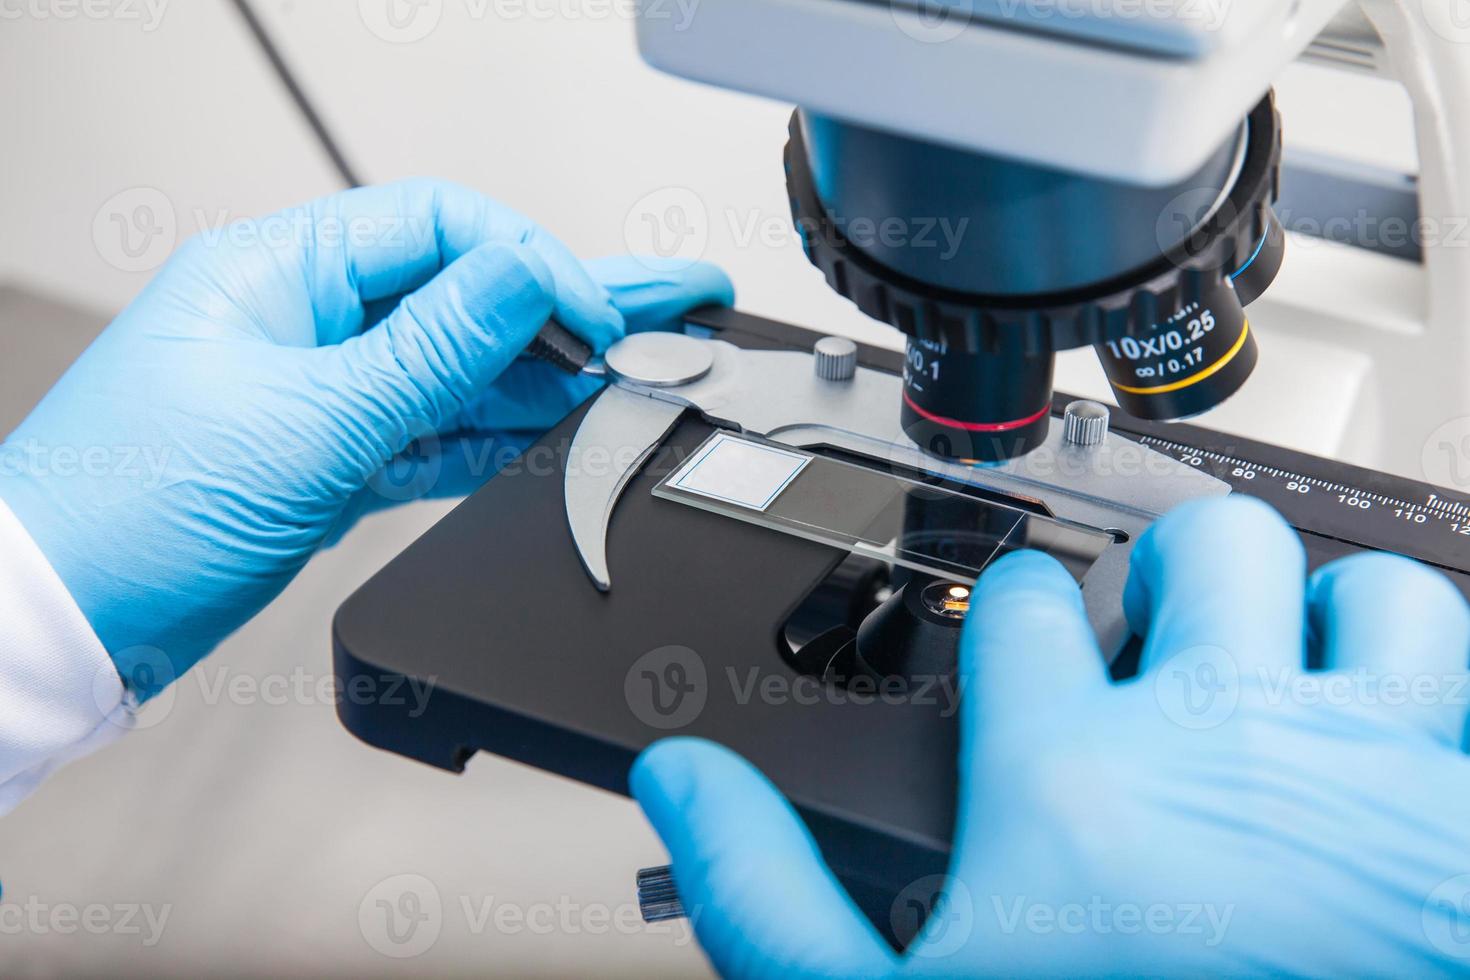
[(767, 537)]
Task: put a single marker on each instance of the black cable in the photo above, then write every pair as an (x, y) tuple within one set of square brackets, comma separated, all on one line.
[(298, 95), (553, 344)]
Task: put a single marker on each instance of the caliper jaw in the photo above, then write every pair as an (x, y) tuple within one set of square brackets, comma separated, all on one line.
[(1117, 485)]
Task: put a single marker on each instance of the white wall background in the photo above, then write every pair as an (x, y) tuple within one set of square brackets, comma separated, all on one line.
[(265, 827)]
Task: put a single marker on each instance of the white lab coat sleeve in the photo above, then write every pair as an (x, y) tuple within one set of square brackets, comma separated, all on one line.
[(60, 696)]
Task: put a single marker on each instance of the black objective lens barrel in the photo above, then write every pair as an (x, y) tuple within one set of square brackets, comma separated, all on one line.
[(994, 225), (947, 394), (989, 265), (1188, 363)]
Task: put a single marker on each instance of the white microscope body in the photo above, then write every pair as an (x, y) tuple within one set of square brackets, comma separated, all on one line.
[(1375, 352)]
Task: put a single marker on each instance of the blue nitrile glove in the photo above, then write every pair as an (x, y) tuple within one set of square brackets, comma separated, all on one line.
[(192, 460), (1226, 812)]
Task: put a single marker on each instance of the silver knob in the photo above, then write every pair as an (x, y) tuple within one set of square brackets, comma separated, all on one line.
[(1085, 423), (659, 360), (836, 358)]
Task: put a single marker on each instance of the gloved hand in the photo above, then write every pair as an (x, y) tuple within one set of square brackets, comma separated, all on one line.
[(191, 461), (1227, 811)]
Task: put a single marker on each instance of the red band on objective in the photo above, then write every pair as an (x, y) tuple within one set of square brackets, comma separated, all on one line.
[(976, 426)]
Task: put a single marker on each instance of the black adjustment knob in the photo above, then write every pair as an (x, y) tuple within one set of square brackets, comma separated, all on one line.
[(658, 898)]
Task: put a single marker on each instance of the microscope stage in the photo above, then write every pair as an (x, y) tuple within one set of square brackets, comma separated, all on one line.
[(527, 658)]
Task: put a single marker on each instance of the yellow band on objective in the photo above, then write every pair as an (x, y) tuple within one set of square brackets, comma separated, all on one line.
[(1212, 369)]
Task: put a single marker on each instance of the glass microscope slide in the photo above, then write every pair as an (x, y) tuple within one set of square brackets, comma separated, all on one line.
[(864, 510)]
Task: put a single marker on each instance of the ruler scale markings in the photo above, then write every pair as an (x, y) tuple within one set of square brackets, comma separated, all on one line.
[(1434, 507)]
